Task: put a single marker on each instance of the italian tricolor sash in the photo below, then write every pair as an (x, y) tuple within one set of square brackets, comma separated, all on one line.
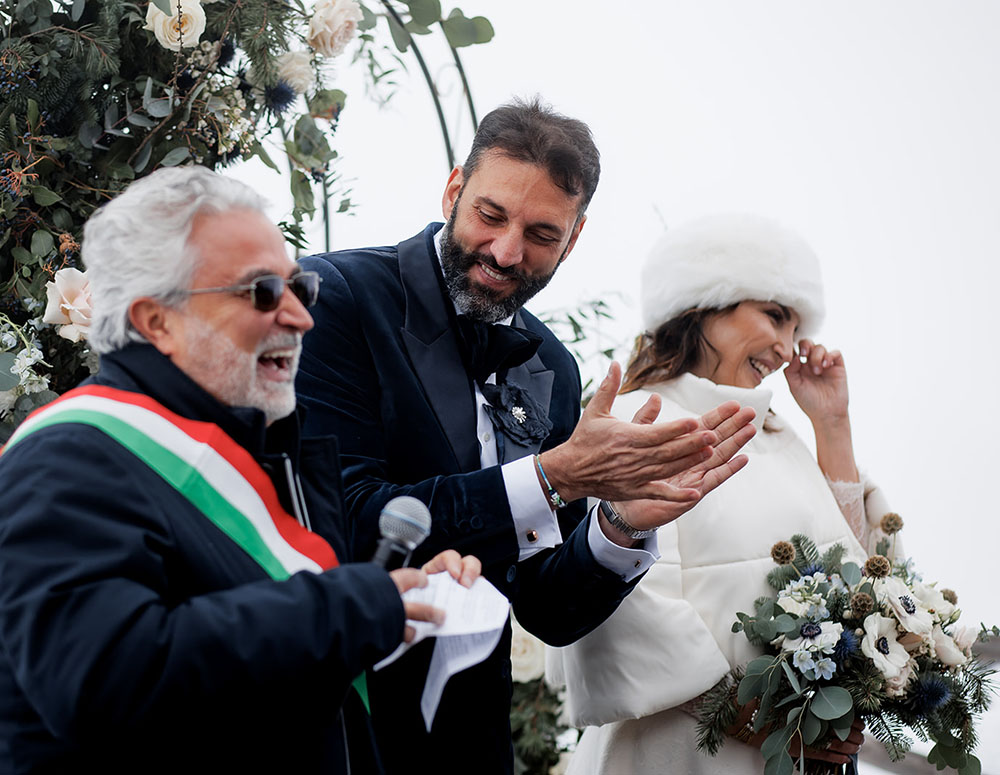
[(198, 459)]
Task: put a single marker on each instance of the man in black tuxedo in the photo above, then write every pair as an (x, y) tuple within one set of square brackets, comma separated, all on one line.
[(430, 394)]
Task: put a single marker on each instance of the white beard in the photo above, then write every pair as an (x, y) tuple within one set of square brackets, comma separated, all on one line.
[(231, 375)]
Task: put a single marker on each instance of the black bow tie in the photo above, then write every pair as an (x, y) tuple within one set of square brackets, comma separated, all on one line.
[(489, 348)]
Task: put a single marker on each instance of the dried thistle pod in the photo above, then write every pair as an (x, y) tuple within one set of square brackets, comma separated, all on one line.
[(862, 604), (892, 523), (877, 566), (783, 553)]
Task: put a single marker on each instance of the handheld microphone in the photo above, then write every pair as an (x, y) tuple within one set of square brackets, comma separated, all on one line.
[(403, 523)]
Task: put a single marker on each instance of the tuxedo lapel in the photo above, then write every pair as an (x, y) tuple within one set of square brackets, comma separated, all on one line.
[(536, 379), (433, 349)]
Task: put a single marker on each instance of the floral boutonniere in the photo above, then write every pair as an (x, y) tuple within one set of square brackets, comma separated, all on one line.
[(515, 413)]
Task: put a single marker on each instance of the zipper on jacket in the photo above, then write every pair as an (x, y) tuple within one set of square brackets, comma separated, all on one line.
[(295, 494)]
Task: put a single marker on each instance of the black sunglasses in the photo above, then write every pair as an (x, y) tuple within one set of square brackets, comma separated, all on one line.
[(265, 291)]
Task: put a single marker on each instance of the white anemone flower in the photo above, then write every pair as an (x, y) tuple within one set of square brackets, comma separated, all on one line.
[(880, 645), (905, 605)]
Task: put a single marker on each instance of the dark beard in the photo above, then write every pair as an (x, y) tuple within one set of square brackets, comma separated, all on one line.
[(475, 301)]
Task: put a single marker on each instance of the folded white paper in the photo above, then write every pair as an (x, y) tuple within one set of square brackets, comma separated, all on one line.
[(473, 623)]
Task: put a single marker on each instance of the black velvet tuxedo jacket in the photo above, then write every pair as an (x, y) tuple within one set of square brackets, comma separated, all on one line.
[(382, 371)]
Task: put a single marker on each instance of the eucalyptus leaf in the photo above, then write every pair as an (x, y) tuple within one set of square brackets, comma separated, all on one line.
[(749, 688), (368, 19), (77, 10), (143, 158), (459, 30), (400, 37), (137, 119), (165, 6), (850, 573), (424, 12), (972, 766), (484, 30), (42, 243), (32, 114), (792, 678), (777, 741), (8, 380), (793, 713), (810, 727), (175, 156), (767, 630), (780, 764), (831, 702), (159, 108), (414, 28), (785, 624), (62, 219), (89, 133), (22, 255), (842, 726), (44, 197), (260, 153)]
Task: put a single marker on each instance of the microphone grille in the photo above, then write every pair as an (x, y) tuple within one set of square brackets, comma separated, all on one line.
[(405, 519)]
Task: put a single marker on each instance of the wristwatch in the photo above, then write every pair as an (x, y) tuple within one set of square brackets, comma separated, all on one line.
[(617, 522)]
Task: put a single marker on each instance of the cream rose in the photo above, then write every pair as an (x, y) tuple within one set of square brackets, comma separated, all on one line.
[(896, 685), (69, 304), (180, 29), (527, 654), (295, 69), (333, 25), (964, 637), (946, 650)]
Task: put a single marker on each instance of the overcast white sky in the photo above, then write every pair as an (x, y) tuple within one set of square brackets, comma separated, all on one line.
[(872, 128)]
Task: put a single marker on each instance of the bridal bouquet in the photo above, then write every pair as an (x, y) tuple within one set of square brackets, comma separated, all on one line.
[(844, 642)]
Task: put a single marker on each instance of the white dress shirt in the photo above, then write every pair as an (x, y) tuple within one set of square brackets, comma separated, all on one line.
[(534, 520)]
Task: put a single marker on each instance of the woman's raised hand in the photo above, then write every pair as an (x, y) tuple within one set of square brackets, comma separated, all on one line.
[(817, 379)]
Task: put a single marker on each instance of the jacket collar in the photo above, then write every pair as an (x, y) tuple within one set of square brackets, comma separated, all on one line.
[(433, 349), (429, 337), (142, 368)]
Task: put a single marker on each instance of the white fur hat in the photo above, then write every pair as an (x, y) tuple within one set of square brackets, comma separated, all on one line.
[(720, 260)]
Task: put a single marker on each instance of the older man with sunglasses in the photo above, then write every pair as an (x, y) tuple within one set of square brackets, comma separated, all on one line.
[(160, 606)]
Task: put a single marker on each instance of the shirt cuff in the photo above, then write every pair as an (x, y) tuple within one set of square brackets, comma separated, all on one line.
[(535, 522), (627, 563)]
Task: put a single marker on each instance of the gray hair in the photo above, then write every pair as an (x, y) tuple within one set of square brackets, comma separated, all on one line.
[(137, 244)]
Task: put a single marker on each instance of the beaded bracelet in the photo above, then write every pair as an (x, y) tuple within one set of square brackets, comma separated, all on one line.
[(555, 499)]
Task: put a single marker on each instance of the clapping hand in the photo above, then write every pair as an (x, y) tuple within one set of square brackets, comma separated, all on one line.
[(734, 430), (671, 464)]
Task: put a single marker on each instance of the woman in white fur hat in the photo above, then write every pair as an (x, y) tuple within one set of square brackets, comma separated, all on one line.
[(726, 301)]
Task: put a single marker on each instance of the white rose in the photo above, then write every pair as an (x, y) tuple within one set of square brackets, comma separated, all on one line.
[(333, 25), (7, 399), (69, 304), (527, 654), (946, 650), (964, 637), (792, 606), (183, 28), (295, 69), (880, 645), (933, 601)]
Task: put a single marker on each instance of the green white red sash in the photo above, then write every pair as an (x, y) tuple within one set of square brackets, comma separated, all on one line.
[(218, 476)]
